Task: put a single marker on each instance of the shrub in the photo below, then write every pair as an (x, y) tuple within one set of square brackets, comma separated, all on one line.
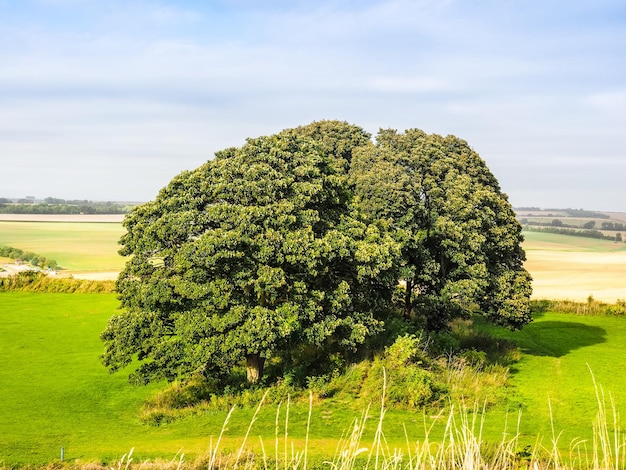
[(410, 383)]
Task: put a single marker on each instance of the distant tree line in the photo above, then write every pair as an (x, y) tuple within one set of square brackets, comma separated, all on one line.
[(613, 226), (27, 256), (52, 205), (567, 212), (582, 213), (590, 225), (562, 230)]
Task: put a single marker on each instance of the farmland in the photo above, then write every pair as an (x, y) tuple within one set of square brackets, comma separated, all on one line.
[(563, 267), (85, 247), (568, 267), (60, 395)]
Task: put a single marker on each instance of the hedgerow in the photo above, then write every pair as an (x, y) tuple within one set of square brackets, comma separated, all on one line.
[(32, 258), (33, 281)]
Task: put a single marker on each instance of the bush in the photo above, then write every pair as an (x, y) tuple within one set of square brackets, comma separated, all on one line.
[(409, 383), (407, 349)]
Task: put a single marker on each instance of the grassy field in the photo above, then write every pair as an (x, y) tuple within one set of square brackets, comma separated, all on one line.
[(57, 394), (562, 354), (84, 246)]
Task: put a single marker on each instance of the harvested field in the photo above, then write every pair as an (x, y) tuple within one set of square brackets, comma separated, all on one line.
[(567, 267), (575, 276)]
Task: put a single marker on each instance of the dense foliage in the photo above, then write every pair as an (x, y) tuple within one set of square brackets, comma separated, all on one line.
[(294, 246), (460, 240)]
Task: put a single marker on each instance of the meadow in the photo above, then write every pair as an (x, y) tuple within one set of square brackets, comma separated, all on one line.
[(61, 396), (78, 247)]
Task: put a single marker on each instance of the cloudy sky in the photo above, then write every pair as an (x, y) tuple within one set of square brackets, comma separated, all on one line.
[(109, 99)]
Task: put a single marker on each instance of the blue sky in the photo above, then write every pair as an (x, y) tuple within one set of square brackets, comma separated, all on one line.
[(109, 100)]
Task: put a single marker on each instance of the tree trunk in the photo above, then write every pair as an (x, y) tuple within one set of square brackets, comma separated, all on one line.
[(254, 368), (408, 299)]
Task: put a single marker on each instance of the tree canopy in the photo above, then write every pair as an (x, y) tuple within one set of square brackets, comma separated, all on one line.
[(460, 240), (253, 253), (299, 240)]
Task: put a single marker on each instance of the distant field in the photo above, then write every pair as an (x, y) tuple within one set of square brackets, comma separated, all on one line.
[(85, 246), (62, 217), (563, 267), (567, 267)]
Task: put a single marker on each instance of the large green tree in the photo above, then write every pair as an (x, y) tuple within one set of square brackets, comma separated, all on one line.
[(299, 239), (256, 252), (461, 243)]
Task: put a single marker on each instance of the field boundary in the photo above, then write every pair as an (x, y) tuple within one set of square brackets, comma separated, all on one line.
[(105, 218)]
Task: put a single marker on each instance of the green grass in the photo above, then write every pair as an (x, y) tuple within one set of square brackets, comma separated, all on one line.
[(558, 242), (561, 352), (55, 392), (81, 246)]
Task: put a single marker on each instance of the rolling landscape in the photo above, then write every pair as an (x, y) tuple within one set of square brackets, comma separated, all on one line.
[(338, 235), (64, 397)]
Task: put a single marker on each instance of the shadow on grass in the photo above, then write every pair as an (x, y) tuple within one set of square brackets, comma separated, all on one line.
[(556, 338)]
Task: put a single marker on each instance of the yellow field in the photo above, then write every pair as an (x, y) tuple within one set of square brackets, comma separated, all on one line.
[(566, 267)]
